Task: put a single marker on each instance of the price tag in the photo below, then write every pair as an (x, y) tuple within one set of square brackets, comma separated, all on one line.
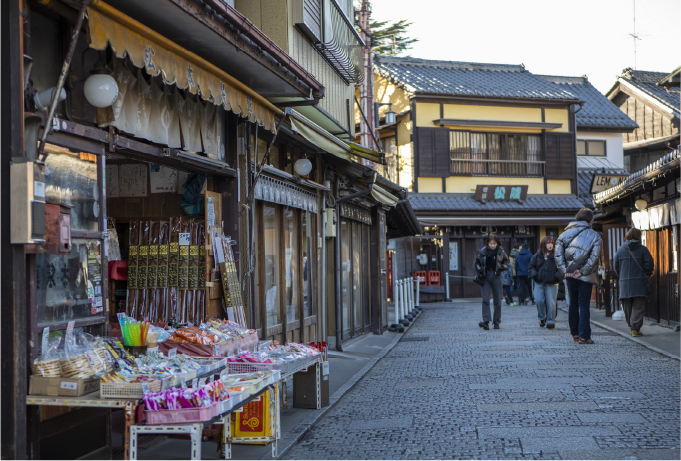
[(202, 381), (121, 318), (67, 385), (212, 378), (325, 368), (195, 381), (185, 238), (145, 388), (164, 385), (216, 348), (183, 382), (172, 353), (46, 337), (69, 327), (238, 349)]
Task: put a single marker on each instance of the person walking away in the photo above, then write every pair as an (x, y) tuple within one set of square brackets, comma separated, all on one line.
[(546, 278), (578, 250), (634, 265), (491, 262), (522, 264), (507, 281), (512, 265)]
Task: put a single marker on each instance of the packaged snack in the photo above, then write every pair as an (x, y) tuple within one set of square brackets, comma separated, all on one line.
[(47, 364)]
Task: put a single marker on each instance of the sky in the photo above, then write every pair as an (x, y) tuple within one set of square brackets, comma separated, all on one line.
[(569, 38)]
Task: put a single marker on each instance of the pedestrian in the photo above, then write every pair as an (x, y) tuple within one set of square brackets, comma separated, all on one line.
[(546, 278), (578, 250), (522, 265), (507, 281), (490, 262), (512, 266), (634, 265)]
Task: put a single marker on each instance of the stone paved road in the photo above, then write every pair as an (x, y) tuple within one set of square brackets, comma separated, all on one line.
[(449, 389)]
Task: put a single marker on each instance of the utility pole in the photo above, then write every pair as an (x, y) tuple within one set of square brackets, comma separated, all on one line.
[(366, 87)]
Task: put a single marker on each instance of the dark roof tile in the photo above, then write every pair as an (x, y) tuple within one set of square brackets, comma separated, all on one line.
[(646, 82), (467, 79), (467, 202)]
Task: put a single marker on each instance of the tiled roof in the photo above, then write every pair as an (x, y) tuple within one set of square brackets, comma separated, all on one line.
[(467, 79), (587, 167), (669, 161), (467, 202), (598, 111), (646, 82)]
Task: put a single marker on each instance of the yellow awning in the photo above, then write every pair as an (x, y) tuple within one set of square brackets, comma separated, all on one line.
[(177, 66), (383, 196), (365, 152), (319, 136)]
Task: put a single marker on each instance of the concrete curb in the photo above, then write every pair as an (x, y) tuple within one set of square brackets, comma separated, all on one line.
[(304, 426), (630, 338)]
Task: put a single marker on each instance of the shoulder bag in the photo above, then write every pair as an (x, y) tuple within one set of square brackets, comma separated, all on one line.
[(646, 278)]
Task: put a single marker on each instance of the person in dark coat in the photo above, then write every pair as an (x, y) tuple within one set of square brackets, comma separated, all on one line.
[(578, 251), (490, 262), (633, 291), (522, 264), (546, 278)]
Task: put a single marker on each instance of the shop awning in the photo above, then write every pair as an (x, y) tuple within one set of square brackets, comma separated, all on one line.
[(383, 196), (177, 66), (328, 142)]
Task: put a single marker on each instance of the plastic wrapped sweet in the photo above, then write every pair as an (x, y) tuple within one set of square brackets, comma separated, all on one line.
[(47, 364)]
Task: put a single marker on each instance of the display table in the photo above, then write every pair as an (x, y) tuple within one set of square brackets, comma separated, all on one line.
[(224, 349), (93, 400)]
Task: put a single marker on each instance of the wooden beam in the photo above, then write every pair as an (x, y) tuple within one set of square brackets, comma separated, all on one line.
[(497, 123)]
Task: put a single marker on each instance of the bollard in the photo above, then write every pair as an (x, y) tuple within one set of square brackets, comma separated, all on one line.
[(447, 299), (405, 292), (404, 318), (397, 326), (410, 293), (418, 293)]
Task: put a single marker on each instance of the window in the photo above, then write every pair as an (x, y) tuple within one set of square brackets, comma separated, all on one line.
[(591, 148), (271, 239), (308, 264), (291, 261), (495, 154)]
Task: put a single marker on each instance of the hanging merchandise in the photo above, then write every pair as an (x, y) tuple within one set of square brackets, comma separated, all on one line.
[(192, 198), (133, 254)]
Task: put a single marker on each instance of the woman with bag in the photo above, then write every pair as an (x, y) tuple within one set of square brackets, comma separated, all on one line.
[(634, 265), (544, 272), (490, 263)]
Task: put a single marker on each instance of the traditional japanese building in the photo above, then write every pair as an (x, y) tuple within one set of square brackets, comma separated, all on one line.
[(485, 148)]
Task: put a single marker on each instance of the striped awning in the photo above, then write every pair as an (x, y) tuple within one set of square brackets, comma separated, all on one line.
[(177, 66)]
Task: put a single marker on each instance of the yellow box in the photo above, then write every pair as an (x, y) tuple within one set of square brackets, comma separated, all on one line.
[(254, 420)]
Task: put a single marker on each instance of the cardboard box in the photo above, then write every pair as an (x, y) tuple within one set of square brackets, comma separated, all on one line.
[(65, 387)]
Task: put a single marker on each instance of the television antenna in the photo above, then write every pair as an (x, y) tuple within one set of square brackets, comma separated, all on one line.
[(636, 37)]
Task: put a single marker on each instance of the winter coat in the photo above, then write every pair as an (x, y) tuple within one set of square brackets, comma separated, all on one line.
[(543, 269), (513, 255), (579, 248), (522, 262), (502, 261), (507, 277), (632, 282)]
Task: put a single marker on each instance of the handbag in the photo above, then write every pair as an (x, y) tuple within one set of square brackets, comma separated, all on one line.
[(646, 278), (479, 278)]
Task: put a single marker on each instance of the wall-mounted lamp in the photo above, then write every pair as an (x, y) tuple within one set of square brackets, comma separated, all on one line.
[(390, 116), (302, 167), (100, 89), (640, 204)]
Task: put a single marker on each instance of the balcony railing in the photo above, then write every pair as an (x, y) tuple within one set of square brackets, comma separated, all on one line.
[(508, 168), (341, 44)]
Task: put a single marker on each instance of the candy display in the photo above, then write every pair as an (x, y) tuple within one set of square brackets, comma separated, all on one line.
[(272, 356)]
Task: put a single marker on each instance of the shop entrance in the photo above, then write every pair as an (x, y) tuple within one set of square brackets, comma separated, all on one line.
[(355, 276)]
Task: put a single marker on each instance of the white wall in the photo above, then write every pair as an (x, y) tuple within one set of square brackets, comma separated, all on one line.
[(613, 144)]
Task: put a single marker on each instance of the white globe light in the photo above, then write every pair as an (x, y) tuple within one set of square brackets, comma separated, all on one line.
[(303, 167), (101, 90)]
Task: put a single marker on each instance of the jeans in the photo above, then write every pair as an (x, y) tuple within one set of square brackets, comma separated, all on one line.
[(492, 284), (546, 297), (509, 292), (579, 314), (525, 290), (634, 308)]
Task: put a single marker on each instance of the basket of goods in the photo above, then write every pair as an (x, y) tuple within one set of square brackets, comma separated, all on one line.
[(186, 405), (47, 364), (117, 385)]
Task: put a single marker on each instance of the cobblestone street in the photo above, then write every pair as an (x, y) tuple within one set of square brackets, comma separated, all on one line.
[(449, 389)]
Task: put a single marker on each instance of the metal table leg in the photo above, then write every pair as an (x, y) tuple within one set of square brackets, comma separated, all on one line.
[(284, 396), (227, 436), (318, 388), (130, 409), (195, 432)]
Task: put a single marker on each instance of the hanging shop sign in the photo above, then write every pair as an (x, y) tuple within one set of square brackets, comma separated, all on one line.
[(663, 215), (355, 213), (177, 66), (498, 193), (275, 191), (603, 182)]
